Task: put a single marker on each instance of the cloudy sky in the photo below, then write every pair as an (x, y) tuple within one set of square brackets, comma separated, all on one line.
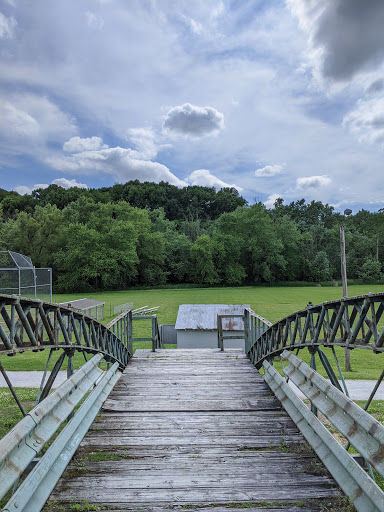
[(278, 98)]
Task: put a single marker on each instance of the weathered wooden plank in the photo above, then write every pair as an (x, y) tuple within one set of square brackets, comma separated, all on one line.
[(284, 508), (195, 428), (189, 405), (239, 442), (185, 496)]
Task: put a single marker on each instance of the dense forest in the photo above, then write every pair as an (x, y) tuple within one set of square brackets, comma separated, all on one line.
[(147, 234)]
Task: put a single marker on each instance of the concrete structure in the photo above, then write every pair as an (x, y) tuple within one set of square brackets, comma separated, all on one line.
[(196, 325)]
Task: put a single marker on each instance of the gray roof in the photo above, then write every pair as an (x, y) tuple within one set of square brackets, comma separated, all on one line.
[(204, 316), (82, 304)]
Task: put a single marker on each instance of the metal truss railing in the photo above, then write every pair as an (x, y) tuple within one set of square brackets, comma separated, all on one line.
[(254, 326), (358, 427), (27, 324), (351, 322), (35, 325)]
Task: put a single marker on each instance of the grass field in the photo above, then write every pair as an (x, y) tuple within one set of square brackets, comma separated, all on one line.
[(272, 303)]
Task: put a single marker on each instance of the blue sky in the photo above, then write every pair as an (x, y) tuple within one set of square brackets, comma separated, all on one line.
[(277, 98)]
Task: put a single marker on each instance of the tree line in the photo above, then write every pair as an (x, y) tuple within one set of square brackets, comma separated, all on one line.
[(147, 234)]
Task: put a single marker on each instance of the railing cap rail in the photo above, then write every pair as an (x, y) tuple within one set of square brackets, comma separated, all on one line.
[(264, 320)]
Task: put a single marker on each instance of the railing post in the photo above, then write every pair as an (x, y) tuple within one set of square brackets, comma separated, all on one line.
[(246, 331), (130, 333), (220, 333), (153, 334)]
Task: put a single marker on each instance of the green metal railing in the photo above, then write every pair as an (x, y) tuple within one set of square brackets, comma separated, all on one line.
[(362, 431), (20, 447), (351, 322), (155, 339), (27, 324)]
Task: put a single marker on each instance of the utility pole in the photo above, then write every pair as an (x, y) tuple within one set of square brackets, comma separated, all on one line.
[(347, 212)]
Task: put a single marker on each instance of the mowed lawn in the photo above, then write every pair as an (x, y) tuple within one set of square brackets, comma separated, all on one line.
[(272, 303)]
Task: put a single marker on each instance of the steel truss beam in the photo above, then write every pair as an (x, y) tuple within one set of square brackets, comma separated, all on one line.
[(27, 324), (351, 322)]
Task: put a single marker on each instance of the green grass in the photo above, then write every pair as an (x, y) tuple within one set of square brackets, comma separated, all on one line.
[(272, 303), (10, 413), (365, 365)]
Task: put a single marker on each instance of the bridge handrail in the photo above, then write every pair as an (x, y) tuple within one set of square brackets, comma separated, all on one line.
[(52, 326), (361, 429), (122, 327), (254, 326), (24, 442), (351, 322), (364, 432), (155, 339)]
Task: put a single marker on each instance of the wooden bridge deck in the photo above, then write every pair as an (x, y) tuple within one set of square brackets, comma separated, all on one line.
[(186, 429)]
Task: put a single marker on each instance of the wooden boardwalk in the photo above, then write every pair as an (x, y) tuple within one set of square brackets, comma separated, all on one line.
[(186, 429)]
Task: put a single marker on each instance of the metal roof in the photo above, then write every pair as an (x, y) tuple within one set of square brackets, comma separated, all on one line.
[(204, 316), (82, 304)]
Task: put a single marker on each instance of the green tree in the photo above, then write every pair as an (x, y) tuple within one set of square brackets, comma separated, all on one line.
[(109, 245), (204, 271), (260, 247), (38, 235), (320, 268), (370, 271), (227, 257)]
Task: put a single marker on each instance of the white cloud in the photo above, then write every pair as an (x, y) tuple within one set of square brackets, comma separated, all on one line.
[(118, 162), (194, 121), (78, 145), (24, 190), (7, 26), (144, 140), (313, 182), (61, 182), (65, 183), (270, 202), (204, 178), (367, 121), (269, 170), (34, 118), (17, 122)]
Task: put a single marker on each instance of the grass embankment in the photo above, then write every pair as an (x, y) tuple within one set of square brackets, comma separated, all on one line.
[(271, 303)]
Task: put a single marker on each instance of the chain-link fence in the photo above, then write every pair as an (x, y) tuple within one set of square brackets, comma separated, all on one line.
[(116, 310), (18, 276)]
